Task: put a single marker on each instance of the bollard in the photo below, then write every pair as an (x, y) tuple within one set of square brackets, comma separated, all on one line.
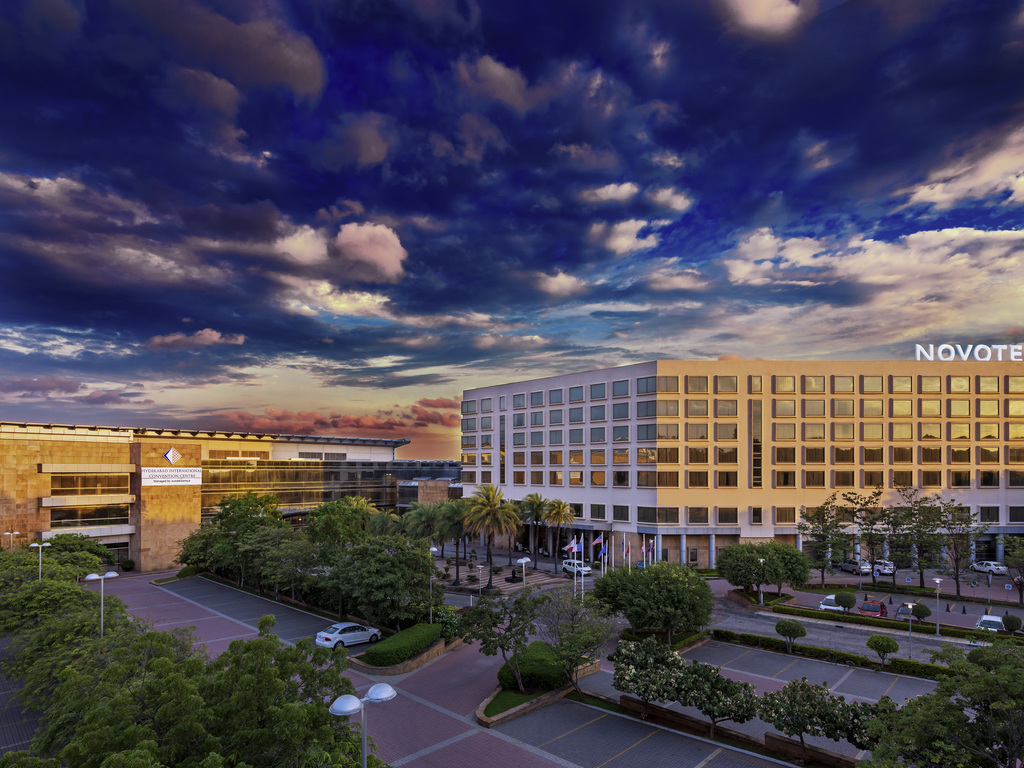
[(947, 607), (963, 609), (890, 599)]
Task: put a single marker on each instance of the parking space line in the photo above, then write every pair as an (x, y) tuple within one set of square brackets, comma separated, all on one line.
[(636, 744), (841, 680), (776, 675), (584, 725), (709, 758), (891, 685)]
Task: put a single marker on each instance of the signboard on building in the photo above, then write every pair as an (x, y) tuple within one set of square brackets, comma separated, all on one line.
[(172, 476)]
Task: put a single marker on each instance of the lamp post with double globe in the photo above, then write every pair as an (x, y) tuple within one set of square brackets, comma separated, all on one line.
[(40, 548), (101, 579), (12, 534), (348, 705)]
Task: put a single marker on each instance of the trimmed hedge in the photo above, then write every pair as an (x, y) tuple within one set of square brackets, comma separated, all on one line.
[(403, 645), (679, 642), (809, 651), (539, 667), (917, 668)]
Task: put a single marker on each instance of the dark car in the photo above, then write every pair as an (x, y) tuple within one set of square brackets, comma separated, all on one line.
[(874, 608)]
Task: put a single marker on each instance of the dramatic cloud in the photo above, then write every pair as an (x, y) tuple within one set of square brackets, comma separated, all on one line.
[(371, 251), (207, 337), (43, 385), (623, 237), (614, 193), (560, 284)]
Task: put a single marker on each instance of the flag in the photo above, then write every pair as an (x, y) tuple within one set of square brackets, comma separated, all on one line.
[(650, 547), (598, 540), (604, 549), (570, 547)]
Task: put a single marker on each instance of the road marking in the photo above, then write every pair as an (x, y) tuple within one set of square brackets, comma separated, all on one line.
[(584, 725), (841, 680), (709, 758), (637, 744), (776, 675), (894, 681)]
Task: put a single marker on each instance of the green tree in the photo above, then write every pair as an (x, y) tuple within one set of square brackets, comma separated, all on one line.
[(1013, 559), (77, 542), (804, 709), (504, 625), (533, 507), (785, 564), (488, 516), (960, 535), (883, 645), (868, 514), (664, 597), (846, 600), (790, 630), (718, 697), (825, 534), (207, 548), (451, 525), (752, 565), (423, 521), (338, 523), (559, 514), (1012, 623), (648, 670), (740, 565), (921, 532), (384, 523), (896, 523), (921, 611), (387, 580), (576, 628), (974, 717), (250, 510)]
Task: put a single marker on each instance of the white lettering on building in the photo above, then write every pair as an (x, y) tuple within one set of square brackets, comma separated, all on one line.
[(980, 352), (172, 476)]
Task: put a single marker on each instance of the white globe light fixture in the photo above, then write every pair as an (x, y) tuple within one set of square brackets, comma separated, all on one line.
[(101, 579), (40, 548), (348, 705)]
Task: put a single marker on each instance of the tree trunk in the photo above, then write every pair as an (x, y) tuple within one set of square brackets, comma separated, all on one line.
[(533, 544), (490, 564), (456, 582)]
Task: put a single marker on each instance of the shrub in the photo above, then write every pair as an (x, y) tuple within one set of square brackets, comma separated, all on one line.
[(188, 570), (917, 668), (540, 668), (846, 600), (883, 645), (791, 629), (127, 565), (445, 616), (403, 645), (1011, 622), (921, 611)]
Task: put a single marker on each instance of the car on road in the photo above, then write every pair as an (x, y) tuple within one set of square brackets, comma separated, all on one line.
[(874, 608), (904, 612), (346, 633), (830, 604), (989, 566), (856, 566), (884, 567), (991, 623), (573, 567)]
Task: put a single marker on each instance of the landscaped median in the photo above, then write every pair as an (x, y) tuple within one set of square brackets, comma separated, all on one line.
[(404, 651), (538, 701)]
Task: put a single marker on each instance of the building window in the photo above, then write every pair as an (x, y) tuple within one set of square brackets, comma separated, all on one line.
[(959, 384), (959, 408), (597, 413), (930, 430), (597, 477), (696, 455), (902, 478), (620, 434), (785, 515), (697, 515), (814, 384), (785, 455), (1016, 514), (668, 479), (870, 384), (620, 411), (518, 438), (902, 431), (501, 403), (871, 409), (555, 437), (536, 419), (959, 431), (518, 477), (960, 478), (696, 384), (1015, 455), (693, 408), (872, 432), (536, 399), (696, 431), (814, 479), (620, 455), (988, 385), (901, 384), (486, 422), (902, 455), (988, 479), (646, 479), (660, 515), (784, 408), (727, 480), (555, 397), (842, 431), (988, 514), (646, 455), (785, 431), (726, 454), (469, 441), (814, 455), (555, 417), (754, 384), (785, 479), (620, 513), (959, 455), (537, 477), (756, 516), (842, 455), (555, 477), (597, 511), (575, 436), (575, 457), (555, 458), (536, 438), (469, 406), (519, 459), (930, 384), (486, 405), (725, 384), (576, 477), (597, 434), (577, 509), (653, 384), (575, 415), (469, 425), (647, 409), (1015, 408), (785, 384), (814, 431), (620, 479), (931, 478), (1015, 432), (843, 479), (902, 408), (874, 455), (696, 479), (620, 388), (598, 391), (873, 478), (575, 394), (842, 407), (468, 477), (726, 431), (598, 456), (988, 431), (988, 408), (519, 401), (842, 384), (929, 408), (814, 408)]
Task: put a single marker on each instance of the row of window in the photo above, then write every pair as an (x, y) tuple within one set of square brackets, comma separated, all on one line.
[(867, 478), (780, 385), (782, 455)]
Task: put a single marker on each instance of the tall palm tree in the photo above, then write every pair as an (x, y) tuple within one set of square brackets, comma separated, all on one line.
[(488, 516), (519, 515), (382, 523), (421, 521), (450, 525), (533, 508), (559, 514)]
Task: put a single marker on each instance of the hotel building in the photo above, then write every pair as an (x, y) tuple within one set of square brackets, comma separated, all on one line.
[(692, 456), (141, 491)]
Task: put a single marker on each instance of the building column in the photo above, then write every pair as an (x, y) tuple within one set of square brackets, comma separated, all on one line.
[(657, 547), (1000, 549), (711, 550), (682, 549), (799, 542)]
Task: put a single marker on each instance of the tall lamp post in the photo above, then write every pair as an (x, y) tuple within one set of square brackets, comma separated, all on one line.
[(430, 583), (523, 561), (101, 579), (937, 583), (12, 534), (348, 705), (40, 548), (760, 575), (480, 581)]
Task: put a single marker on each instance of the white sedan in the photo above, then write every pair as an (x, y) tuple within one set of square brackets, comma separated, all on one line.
[(346, 633), (884, 567), (989, 566)]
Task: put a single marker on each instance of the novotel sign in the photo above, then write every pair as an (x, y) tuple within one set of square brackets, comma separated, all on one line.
[(980, 352)]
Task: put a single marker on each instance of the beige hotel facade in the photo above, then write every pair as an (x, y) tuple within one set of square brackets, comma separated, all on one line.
[(692, 456)]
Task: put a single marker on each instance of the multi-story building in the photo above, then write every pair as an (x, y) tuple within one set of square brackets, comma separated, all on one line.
[(140, 491), (692, 456)]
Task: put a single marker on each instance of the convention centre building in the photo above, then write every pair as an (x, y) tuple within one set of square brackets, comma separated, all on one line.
[(682, 458), (141, 491)]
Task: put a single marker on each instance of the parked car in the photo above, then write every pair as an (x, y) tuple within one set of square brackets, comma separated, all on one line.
[(884, 567), (575, 566), (905, 612), (856, 566), (989, 566), (830, 604), (874, 608), (991, 623), (346, 633)]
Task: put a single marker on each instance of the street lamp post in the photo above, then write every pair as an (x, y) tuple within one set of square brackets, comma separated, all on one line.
[(101, 579), (12, 534), (760, 575), (523, 561), (910, 632), (347, 705), (937, 583), (430, 583), (40, 548), (480, 581)]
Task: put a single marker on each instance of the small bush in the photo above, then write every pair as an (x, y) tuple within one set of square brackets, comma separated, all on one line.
[(449, 621), (188, 570), (539, 667), (791, 629), (883, 645), (846, 600), (917, 668), (1011, 622), (127, 565), (403, 645)]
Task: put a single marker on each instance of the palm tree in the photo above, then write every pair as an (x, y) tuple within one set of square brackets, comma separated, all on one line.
[(382, 523), (519, 516), (450, 526), (488, 516), (533, 508), (421, 521), (559, 514)]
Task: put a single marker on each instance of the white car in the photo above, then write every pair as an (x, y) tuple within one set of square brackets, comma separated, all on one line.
[(884, 568), (989, 566), (830, 604), (346, 633), (576, 566), (991, 623), (856, 566)]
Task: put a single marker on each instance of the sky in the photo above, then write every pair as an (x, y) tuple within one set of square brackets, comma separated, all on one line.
[(333, 216)]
